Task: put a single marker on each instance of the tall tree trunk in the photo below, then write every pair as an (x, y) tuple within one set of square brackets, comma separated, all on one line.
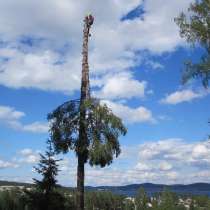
[(82, 152), (80, 183)]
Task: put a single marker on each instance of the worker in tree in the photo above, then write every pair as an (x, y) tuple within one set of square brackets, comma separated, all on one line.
[(89, 19)]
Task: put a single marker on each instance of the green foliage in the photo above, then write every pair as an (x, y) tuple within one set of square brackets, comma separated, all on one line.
[(128, 204), (141, 200), (101, 126), (22, 199), (48, 168), (39, 200), (195, 28), (44, 195), (19, 199), (103, 201), (202, 201), (12, 200), (168, 200)]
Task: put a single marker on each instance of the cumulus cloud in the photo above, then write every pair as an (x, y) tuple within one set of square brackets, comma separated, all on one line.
[(130, 115), (6, 164), (28, 156), (154, 65), (182, 96), (11, 117), (10, 114), (36, 127), (170, 159), (49, 58), (38, 69), (177, 153), (121, 86)]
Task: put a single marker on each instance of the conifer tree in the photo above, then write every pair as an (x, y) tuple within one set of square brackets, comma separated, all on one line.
[(45, 196), (86, 126), (48, 168)]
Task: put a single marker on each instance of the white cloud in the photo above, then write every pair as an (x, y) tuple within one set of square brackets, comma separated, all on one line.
[(38, 69), (177, 153), (130, 115), (36, 127), (6, 164), (9, 113), (12, 117), (200, 150), (165, 166), (120, 86), (151, 166), (28, 156), (182, 96), (170, 159), (26, 152), (167, 148), (143, 167), (113, 45), (154, 65)]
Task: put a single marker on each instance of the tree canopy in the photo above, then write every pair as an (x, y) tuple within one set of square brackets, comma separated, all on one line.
[(195, 28), (102, 127)]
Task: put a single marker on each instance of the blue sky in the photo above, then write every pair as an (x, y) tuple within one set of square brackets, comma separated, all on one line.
[(136, 60)]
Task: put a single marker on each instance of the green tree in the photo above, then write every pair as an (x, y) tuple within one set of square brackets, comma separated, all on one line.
[(48, 168), (141, 200), (195, 28), (12, 200), (45, 196), (86, 126), (201, 200), (168, 200), (155, 203), (104, 201), (128, 205), (192, 205)]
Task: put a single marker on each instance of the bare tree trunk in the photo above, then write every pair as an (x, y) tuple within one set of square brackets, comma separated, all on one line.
[(82, 152), (80, 183)]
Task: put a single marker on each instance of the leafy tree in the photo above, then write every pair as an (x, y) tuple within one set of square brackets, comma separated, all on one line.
[(86, 126), (201, 200), (12, 200), (168, 200), (155, 203), (195, 28), (141, 200), (104, 201), (192, 205)]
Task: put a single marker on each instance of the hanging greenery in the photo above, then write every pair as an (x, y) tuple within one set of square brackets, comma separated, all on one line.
[(102, 129)]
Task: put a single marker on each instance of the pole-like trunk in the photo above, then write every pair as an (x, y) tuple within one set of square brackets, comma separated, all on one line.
[(85, 95), (80, 183)]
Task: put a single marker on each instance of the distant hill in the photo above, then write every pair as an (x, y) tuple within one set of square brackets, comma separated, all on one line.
[(15, 184), (130, 190)]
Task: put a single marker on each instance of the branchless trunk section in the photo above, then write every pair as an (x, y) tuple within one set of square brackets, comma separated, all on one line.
[(85, 95)]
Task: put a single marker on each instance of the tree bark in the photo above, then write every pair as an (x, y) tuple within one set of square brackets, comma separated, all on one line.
[(82, 152), (80, 183)]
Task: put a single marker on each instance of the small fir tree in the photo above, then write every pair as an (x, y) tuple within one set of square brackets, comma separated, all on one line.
[(45, 196)]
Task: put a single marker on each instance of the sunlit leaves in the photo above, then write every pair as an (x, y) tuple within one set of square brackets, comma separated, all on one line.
[(195, 28), (101, 127)]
